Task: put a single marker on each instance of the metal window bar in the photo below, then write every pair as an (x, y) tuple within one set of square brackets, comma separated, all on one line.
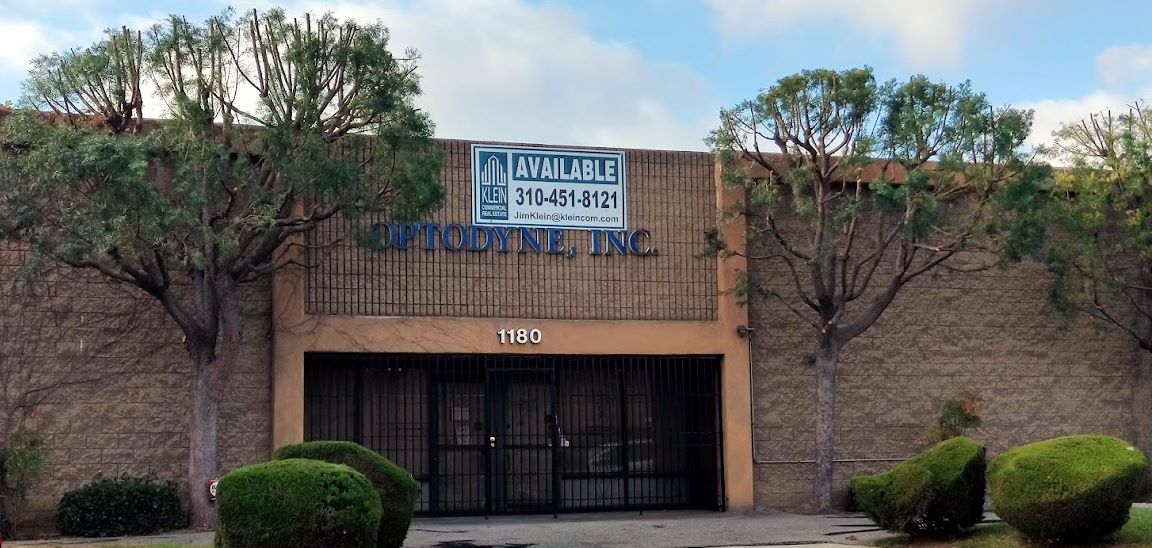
[(493, 434), (672, 194)]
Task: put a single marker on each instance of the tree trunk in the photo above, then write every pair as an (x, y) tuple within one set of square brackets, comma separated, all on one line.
[(212, 364), (826, 362), (1145, 296), (203, 449)]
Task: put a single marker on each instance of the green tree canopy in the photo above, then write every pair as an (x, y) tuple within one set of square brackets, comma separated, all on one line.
[(1101, 215), (270, 126), (854, 188)]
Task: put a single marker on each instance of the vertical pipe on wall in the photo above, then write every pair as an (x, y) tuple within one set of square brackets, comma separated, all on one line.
[(746, 333)]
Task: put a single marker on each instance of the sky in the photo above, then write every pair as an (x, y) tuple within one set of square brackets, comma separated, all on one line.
[(655, 73)]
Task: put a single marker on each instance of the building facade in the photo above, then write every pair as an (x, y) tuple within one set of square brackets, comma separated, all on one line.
[(571, 349)]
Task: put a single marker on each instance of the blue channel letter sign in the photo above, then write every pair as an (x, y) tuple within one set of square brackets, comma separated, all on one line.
[(548, 188)]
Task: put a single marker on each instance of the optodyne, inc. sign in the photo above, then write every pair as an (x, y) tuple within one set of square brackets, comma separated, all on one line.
[(505, 239)]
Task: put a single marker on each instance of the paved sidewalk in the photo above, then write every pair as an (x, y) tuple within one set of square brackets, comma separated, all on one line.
[(652, 529)]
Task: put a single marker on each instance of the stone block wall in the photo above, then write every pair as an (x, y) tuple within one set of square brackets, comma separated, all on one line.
[(990, 333), (111, 382), (118, 378)]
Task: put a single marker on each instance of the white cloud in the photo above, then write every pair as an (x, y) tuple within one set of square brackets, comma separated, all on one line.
[(23, 41), (1051, 114), (1124, 76), (1121, 65), (504, 70), (30, 29), (928, 33)]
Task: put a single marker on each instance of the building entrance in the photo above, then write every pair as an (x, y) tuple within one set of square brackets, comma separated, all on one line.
[(509, 434)]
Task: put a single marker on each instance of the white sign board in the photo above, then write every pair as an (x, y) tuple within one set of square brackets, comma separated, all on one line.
[(548, 188)]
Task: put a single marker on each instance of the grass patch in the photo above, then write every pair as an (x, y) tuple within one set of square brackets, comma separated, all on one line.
[(1137, 532)]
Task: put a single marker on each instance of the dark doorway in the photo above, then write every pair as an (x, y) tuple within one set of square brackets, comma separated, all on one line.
[(522, 440), (530, 434)]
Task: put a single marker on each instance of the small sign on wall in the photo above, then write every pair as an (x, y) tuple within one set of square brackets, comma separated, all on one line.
[(549, 188)]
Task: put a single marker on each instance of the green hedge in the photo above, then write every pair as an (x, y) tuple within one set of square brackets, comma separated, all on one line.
[(120, 506), (296, 503), (1072, 488), (936, 493), (398, 491), (894, 499)]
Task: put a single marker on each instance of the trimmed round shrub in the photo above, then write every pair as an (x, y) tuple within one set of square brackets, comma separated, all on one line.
[(1072, 488), (894, 499), (397, 490), (936, 493), (117, 507), (296, 503)]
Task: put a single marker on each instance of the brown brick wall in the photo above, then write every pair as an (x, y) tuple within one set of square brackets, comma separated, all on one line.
[(122, 406), (989, 333), (671, 194)]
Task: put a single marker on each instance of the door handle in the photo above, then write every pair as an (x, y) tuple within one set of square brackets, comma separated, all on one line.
[(492, 441)]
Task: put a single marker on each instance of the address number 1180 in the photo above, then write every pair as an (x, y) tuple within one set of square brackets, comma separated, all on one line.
[(520, 336)]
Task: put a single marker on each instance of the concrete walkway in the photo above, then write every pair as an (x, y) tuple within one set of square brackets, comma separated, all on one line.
[(655, 529), (652, 529)]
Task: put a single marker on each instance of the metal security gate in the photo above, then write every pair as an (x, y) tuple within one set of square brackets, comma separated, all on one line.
[(530, 434)]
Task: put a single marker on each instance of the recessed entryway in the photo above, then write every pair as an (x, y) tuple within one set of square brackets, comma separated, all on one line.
[(496, 434)]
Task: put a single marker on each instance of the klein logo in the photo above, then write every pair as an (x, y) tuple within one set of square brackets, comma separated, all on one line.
[(494, 187), (495, 173)]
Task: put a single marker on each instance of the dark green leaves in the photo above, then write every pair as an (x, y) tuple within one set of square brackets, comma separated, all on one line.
[(101, 81), (273, 125), (1019, 213), (827, 126), (121, 506), (1100, 213), (74, 192), (846, 179)]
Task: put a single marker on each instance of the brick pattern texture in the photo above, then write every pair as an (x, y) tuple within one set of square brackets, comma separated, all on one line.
[(671, 194), (117, 380), (121, 401), (990, 333)]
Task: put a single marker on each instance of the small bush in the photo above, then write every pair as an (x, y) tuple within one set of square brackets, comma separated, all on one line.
[(894, 499), (296, 503), (936, 493), (119, 507), (1072, 488), (397, 490), (958, 415), (23, 458)]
